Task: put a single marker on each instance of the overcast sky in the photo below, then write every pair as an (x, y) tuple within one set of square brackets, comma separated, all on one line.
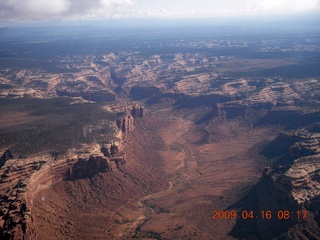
[(91, 9)]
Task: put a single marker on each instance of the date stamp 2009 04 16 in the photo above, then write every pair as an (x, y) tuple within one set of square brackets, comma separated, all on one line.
[(264, 214)]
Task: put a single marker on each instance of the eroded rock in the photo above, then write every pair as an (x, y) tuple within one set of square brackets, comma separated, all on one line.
[(7, 155)]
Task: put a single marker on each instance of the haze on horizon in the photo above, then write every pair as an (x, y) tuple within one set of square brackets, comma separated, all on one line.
[(25, 10)]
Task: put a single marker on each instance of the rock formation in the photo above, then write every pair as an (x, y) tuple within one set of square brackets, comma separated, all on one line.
[(7, 155), (134, 112), (296, 174), (141, 112), (119, 123), (96, 95), (130, 123), (292, 185), (288, 147), (16, 219), (127, 123), (216, 112), (298, 183), (87, 168), (22, 179), (124, 126), (137, 112)]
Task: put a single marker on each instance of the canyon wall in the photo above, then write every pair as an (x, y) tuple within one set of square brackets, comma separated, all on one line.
[(291, 184), (126, 124), (22, 179)]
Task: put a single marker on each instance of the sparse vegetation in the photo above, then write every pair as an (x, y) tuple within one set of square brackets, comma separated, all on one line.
[(60, 125)]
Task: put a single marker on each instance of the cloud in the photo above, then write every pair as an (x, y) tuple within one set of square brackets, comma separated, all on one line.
[(252, 8), (44, 9), (289, 5), (227, 7)]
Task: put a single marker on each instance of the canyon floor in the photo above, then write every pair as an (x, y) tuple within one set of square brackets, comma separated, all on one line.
[(190, 181), (202, 178)]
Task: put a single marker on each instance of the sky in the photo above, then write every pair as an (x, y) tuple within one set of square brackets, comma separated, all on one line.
[(22, 10)]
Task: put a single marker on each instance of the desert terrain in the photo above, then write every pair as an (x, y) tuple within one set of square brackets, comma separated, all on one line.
[(150, 138)]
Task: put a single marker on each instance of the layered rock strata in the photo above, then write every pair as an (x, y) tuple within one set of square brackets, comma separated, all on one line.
[(297, 180), (22, 179), (291, 185)]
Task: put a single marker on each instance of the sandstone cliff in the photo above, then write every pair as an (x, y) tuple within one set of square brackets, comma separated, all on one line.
[(127, 123), (22, 179), (298, 183), (291, 184), (296, 176)]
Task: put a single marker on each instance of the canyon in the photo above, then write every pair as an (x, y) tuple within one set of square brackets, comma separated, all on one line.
[(146, 141)]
